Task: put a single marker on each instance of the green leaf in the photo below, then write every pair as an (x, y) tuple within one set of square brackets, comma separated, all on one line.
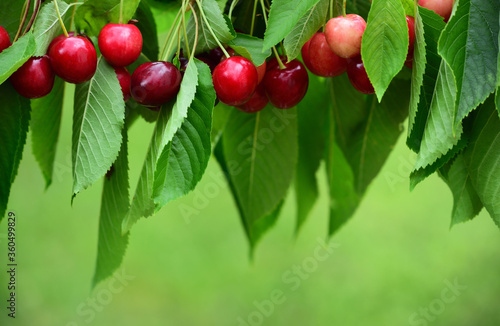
[(45, 126), (16, 55), (483, 160), (466, 203), (426, 63), (409, 6), (10, 16), (250, 47), (216, 20), (114, 207), (92, 15), (385, 43), (183, 161), (97, 123), (305, 28), (261, 151), (14, 121), (311, 118), (469, 44), (283, 16), (147, 26), (47, 25)]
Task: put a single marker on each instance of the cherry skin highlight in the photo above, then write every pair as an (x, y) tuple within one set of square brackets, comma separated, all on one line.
[(235, 80), (344, 35), (285, 88), (34, 79), (74, 59), (124, 79), (62, 37), (4, 39), (155, 83), (441, 7), (358, 77), (257, 102), (324, 61), (120, 44)]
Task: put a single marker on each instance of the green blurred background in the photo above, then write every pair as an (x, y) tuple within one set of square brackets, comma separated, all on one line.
[(392, 264)]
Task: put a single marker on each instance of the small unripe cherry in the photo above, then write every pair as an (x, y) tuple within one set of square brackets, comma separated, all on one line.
[(324, 61), (344, 35), (34, 79)]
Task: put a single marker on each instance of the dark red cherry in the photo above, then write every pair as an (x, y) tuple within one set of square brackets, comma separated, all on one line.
[(324, 61), (155, 83), (4, 39), (62, 36), (410, 21), (285, 88), (306, 58), (257, 102), (34, 79), (120, 44), (358, 77), (261, 72), (235, 80), (124, 79), (74, 59)]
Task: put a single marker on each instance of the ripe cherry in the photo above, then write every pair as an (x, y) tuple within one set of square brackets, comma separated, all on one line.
[(305, 56), (441, 7), (120, 44), (261, 72), (344, 35), (410, 21), (324, 61), (358, 77), (124, 79), (155, 83), (257, 102), (74, 59), (34, 79), (235, 80), (62, 36), (285, 88), (4, 39)]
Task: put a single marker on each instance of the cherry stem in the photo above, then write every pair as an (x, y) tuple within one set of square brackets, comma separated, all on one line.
[(34, 15), (331, 8), (276, 54), (196, 32), (170, 34), (233, 4), (27, 5), (121, 12), (171, 41), (343, 8), (253, 17), (184, 29), (60, 19), (73, 16), (211, 30)]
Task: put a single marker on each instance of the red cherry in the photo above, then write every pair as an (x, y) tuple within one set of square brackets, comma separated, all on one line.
[(358, 77), (4, 39), (324, 61), (124, 79), (410, 21), (207, 60), (235, 80), (120, 44), (261, 72), (305, 56), (34, 79), (62, 36), (285, 88), (74, 59), (441, 7), (344, 35), (257, 102), (155, 83)]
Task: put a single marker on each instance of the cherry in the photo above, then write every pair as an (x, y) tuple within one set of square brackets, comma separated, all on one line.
[(344, 35), (120, 44), (410, 21), (4, 39), (257, 102), (285, 88), (34, 79), (74, 59), (155, 83), (235, 80), (261, 72), (358, 77), (124, 79), (441, 7), (62, 36), (324, 61), (306, 58)]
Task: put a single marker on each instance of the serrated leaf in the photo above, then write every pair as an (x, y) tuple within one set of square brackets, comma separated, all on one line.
[(45, 125), (283, 16), (385, 43), (14, 121), (112, 244), (92, 15), (147, 26), (426, 63), (305, 28), (250, 47), (183, 161), (261, 150), (483, 160), (97, 123), (16, 55), (409, 6), (47, 25), (216, 19), (469, 44), (360, 7), (311, 119)]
